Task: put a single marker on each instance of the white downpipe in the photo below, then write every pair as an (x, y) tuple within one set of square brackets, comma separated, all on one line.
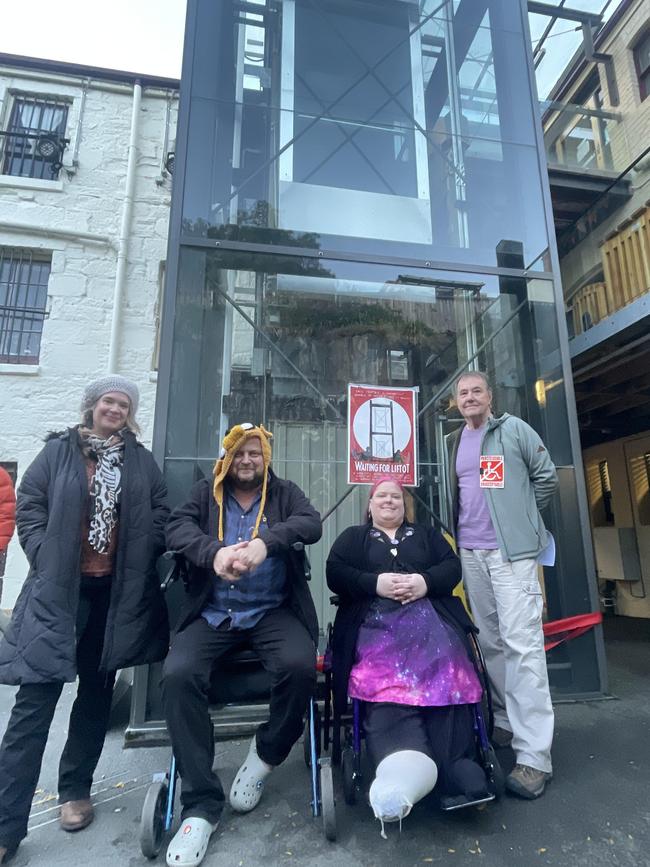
[(125, 229)]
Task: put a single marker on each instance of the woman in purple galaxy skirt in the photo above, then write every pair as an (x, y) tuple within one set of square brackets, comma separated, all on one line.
[(400, 646)]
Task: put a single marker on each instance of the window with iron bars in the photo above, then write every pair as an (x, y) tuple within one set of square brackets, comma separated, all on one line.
[(33, 141), (23, 297)]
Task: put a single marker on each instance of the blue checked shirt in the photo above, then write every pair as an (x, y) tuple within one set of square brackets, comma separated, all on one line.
[(247, 600)]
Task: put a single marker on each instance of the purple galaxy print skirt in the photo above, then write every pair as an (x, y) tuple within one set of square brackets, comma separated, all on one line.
[(406, 654)]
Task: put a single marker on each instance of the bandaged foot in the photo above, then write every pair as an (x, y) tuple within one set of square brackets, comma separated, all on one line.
[(402, 779)]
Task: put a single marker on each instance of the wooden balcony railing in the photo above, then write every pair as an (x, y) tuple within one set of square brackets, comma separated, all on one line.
[(626, 268)]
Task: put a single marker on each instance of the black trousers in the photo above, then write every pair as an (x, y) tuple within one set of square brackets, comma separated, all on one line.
[(286, 651), (21, 751), (445, 734)]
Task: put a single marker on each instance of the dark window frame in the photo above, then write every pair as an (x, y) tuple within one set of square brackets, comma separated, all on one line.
[(31, 117), (24, 278), (642, 72)]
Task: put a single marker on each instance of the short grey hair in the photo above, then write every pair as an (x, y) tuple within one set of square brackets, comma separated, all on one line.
[(477, 374)]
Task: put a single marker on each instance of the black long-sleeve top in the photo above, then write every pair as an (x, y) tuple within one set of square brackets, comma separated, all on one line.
[(352, 575)]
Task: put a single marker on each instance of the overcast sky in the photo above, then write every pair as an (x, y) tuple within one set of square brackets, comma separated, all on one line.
[(147, 35), (135, 35)]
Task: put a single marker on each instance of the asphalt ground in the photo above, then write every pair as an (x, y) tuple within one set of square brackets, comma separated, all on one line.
[(595, 812)]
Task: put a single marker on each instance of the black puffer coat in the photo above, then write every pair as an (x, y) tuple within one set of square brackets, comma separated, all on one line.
[(40, 643)]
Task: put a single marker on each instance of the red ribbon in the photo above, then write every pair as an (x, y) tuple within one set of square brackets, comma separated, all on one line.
[(570, 627)]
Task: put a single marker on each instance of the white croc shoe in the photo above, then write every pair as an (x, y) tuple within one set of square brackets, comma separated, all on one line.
[(247, 789), (190, 842)]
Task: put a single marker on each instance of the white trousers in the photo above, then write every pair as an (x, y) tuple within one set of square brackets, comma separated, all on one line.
[(506, 602)]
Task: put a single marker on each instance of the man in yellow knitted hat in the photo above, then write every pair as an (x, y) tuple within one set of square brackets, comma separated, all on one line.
[(246, 588)]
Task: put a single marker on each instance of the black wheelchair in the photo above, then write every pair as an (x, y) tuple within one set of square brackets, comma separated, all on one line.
[(240, 678), (342, 734)]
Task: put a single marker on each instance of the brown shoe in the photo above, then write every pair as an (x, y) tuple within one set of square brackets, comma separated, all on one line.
[(501, 737), (76, 815), (527, 782)]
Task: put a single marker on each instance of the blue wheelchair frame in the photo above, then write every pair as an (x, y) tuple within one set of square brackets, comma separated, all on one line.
[(158, 808)]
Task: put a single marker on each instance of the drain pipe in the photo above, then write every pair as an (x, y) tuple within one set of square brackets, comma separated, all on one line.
[(125, 229)]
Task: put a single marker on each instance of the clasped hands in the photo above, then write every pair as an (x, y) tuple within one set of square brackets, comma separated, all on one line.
[(231, 561), (401, 587)]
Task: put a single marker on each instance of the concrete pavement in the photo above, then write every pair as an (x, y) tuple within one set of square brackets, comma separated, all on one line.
[(595, 812)]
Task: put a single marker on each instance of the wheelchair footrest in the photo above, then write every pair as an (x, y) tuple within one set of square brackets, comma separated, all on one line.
[(459, 802)]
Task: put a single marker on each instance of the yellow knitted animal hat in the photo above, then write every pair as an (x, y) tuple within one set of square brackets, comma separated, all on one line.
[(232, 442)]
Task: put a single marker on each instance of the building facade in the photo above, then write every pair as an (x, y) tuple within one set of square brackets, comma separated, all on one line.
[(84, 212), (361, 196), (603, 134)]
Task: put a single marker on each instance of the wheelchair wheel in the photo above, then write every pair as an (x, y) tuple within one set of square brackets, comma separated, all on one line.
[(306, 741), (496, 777), (152, 820), (328, 806), (349, 780)]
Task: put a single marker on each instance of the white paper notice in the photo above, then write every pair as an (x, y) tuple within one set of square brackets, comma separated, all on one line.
[(546, 557)]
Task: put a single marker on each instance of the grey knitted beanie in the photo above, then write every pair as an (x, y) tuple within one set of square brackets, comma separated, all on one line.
[(94, 390)]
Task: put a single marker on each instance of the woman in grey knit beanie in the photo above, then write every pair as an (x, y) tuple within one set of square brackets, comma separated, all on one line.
[(95, 390), (91, 518)]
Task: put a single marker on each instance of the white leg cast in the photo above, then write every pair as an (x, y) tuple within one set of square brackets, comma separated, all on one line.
[(402, 779)]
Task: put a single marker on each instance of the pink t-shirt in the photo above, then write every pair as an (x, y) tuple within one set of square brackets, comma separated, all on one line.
[(475, 529)]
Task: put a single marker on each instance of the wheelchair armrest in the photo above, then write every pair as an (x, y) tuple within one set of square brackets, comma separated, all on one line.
[(175, 568)]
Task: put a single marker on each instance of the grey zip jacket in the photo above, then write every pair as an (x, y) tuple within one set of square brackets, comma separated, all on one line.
[(530, 480)]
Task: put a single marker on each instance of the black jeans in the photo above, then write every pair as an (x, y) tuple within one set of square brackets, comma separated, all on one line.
[(21, 751), (286, 651)]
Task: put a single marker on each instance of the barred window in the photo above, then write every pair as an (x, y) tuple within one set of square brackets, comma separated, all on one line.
[(23, 296), (34, 139)]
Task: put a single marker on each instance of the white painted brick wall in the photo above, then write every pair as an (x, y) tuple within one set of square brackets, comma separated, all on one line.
[(88, 198)]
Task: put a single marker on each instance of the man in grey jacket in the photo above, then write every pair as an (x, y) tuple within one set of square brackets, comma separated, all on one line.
[(500, 478)]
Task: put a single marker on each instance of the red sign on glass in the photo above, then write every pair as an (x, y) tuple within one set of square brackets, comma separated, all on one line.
[(491, 470), (382, 434)]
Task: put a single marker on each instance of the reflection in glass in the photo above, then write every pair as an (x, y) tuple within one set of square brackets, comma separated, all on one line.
[(392, 128), (280, 345)]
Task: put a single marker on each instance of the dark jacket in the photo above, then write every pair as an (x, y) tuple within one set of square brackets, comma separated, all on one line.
[(426, 552), (53, 501), (290, 518)]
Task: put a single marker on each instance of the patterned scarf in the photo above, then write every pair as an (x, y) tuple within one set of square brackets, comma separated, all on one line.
[(105, 487)]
